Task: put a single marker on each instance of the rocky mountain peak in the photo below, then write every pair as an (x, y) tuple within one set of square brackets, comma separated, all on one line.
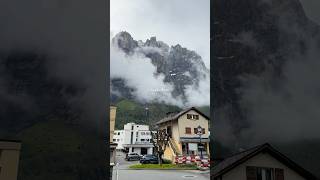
[(180, 67), (124, 41)]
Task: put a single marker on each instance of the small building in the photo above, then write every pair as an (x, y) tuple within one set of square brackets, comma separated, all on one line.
[(182, 129), (113, 110), (118, 137), (259, 163), (134, 138), (9, 159)]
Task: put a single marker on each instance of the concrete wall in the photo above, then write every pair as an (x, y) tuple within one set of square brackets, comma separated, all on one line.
[(9, 160), (261, 160)]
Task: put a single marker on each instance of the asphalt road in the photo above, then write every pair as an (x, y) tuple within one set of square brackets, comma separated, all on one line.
[(124, 173)]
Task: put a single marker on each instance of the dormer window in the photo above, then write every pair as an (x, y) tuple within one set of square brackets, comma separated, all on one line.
[(193, 116)]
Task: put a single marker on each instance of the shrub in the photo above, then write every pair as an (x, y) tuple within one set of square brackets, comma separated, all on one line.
[(166, 161)]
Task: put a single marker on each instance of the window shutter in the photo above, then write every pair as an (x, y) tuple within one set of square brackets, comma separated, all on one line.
[(279, 174), (188, 130), (251, 173), (203, 131)]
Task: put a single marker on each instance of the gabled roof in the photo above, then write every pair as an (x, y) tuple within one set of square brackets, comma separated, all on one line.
[(233, 161), (10, 140), (176, 116)]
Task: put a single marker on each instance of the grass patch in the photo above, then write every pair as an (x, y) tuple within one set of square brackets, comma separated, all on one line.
[(163, 166)]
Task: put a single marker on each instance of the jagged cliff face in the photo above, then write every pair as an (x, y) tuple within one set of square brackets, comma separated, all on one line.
[(179, 66), (254, 38)]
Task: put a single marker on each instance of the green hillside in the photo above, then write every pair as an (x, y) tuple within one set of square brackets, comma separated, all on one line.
[(131, 111)]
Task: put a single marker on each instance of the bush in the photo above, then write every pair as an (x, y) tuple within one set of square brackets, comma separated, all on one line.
[(166, 161), (163, 166)]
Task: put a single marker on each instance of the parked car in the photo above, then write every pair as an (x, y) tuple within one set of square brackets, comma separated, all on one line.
[(132, 156), (149, 159)]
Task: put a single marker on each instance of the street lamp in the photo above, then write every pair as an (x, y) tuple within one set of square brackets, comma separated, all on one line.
[(199, 132)]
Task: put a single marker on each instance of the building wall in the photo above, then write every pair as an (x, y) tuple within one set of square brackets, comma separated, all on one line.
[(113, 111), (138, 150), (168, 154), (140, 135), (119, 137), (261, 160), (179, 127), (183, 122), (9, 160)]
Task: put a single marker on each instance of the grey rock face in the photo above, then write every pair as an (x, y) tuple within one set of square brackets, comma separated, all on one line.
[(180, 66), (252, 37)]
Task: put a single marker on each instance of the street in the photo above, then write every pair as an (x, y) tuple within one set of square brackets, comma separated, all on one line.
[(124, 173)]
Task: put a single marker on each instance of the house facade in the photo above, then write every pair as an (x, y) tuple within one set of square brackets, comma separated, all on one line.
[(134, 138), (182, 129), (261, 162), (112, 118), (9, 159)]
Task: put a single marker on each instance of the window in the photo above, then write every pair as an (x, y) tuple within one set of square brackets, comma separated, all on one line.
[(192, 116), (118, 133), (263, 173), (196, 130), (118, 140), (188, 130), (142, 140), (113, 139), (143, 133), (278, 174)]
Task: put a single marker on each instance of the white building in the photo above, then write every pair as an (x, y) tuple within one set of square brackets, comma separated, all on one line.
[(134, 138), (118, 137)]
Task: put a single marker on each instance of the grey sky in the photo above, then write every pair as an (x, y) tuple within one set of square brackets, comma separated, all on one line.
[(185, 22)]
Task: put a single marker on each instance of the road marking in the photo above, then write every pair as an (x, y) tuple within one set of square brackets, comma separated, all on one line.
[(189, 176)]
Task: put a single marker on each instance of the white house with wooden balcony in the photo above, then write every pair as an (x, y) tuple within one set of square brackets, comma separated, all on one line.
[(184, 137)]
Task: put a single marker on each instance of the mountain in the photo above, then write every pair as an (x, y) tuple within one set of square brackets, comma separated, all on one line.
[(179, 66), (29, 94), (258, 39), (253, 38)]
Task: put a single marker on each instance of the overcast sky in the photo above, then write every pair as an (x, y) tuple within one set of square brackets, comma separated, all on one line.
[(185, 22)]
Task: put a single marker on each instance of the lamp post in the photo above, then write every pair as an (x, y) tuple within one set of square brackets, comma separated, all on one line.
[(199, 132)]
